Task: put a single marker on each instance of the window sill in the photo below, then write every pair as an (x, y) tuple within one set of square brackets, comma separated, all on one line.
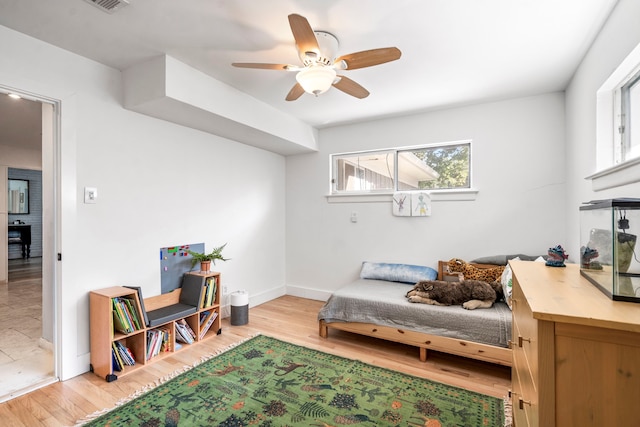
[(616, 176), (436, 196)]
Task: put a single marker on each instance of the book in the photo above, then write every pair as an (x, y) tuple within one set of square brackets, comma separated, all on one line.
[(115, 363), (184, 333), (144, 312), (125, 356), (207, 326), (212, 292), (203, 317), (121, 322), (118, 324), (209, 294), (124, 315), (158, 341), (132, 311), (154, 342), (187, 327), (117, 359)]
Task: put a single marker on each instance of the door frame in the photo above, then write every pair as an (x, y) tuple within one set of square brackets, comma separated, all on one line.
[(51, 218)]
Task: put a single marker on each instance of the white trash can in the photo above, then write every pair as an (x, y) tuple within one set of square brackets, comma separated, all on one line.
[(239, 308)]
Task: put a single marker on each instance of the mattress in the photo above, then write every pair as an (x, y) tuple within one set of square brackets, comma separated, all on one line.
[(384, 303)]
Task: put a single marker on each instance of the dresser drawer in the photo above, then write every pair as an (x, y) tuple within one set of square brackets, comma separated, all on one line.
[(519, 416), (525, 399), (525, 330)]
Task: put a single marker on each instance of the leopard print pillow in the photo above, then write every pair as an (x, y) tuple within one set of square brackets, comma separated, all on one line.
[(470, 272)]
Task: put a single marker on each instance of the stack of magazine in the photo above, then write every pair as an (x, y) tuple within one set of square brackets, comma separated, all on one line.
[(121, 356), (184, 333)]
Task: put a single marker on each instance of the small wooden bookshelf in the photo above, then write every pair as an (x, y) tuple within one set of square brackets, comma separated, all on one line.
[(106, 328)]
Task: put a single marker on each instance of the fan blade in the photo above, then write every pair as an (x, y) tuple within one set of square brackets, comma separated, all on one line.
[(367, 58), (350, 87), (303, 34), (283, 67), (295, 92)]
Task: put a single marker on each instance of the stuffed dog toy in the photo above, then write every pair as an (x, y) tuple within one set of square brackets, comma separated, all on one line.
[(471, 294)]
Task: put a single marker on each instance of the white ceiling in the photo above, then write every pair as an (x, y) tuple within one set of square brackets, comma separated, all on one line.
[(454, 52), (20, 123)]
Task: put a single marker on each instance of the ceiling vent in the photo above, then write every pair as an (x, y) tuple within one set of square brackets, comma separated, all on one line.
[(109, 6)]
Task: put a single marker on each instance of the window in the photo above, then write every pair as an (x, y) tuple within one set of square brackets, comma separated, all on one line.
[(630, 119), (618, 126), (429, 167)]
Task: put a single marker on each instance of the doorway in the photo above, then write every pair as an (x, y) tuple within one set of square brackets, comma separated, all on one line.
[(28, 354)]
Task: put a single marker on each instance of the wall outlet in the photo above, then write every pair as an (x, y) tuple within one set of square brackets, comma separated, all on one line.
[(90, 194), (226, 311), (225, 290)]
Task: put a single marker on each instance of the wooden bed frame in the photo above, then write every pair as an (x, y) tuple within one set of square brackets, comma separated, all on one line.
[(424, 341)]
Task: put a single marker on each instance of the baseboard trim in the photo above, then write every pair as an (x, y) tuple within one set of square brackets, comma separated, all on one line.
[(45, 345), (310, 293), (254, 300)]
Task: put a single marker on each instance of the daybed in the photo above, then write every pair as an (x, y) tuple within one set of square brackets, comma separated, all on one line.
[(379, 308)]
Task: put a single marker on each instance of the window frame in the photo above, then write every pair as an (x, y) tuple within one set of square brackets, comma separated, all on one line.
[(613, 169), (334, 195), (625, 116)]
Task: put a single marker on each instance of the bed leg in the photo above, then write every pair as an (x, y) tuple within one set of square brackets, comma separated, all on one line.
[(423, 354), (323, 330)]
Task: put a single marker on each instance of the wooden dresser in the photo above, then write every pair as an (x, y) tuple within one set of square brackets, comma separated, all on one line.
[(576, 353)]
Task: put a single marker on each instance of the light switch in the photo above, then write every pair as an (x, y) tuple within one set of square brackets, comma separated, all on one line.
[(90, 194)]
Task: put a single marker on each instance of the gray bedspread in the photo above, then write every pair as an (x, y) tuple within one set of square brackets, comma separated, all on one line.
[(384, 303)]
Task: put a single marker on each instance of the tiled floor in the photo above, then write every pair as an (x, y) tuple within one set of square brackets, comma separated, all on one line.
[(24, 364)]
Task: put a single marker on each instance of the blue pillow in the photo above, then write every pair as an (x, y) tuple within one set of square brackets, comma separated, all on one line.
[(404, 273)]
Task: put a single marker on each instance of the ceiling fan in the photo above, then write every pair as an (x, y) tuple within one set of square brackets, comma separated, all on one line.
[(320, 67)]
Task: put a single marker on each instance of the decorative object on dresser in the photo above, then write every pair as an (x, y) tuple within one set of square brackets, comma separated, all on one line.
[(575, 351), (128, 333), (556, 257)]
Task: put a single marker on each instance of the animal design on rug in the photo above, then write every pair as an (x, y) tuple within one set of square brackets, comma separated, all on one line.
[(471, 272), (471, 294)]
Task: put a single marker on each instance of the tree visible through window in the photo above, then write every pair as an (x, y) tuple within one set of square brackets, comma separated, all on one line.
[(429, 167), (450, 162)]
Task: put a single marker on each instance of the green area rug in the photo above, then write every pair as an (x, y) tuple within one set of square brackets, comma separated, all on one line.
[(267, 382)]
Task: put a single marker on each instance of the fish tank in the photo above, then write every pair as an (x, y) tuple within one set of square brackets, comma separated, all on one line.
[(608, 257)]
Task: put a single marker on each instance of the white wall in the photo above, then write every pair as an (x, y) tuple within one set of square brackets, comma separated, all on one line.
[(518, 160), (20, 158), (159, 184), (619, 36)]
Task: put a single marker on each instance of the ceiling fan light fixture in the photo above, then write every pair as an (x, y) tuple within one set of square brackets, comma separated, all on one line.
[(316, 79)]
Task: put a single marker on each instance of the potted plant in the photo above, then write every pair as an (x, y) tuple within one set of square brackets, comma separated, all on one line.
[(205, 260)]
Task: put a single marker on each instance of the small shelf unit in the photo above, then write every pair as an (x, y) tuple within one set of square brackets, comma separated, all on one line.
[(204, 322)]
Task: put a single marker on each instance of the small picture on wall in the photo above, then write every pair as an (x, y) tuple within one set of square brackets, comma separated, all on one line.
[(420, 204), (18, 196), (402, 204)]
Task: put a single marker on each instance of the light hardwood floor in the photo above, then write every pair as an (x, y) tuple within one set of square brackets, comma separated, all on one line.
[(24, 364), (288, 318)]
